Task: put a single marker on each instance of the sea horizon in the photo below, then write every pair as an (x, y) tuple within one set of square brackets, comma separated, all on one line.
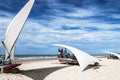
[(33, 57), (29, 57)]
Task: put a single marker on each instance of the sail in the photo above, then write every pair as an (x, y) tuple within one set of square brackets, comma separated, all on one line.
[(113, 54), (83, 58), (12, 54), (16, 26)]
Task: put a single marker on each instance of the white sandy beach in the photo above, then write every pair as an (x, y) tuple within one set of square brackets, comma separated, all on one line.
[(52, 70), (109, 70), (32, 68)]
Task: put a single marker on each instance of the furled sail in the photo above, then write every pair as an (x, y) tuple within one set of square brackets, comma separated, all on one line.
[(83, 58), (16, 26)]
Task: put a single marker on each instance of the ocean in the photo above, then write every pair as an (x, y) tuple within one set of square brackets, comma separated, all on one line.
[(33, 57), (41, 57)]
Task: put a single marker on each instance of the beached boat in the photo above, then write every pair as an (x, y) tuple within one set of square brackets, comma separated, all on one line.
[(113, 55), (12, 35), (68, 61), (65, 58), (82, 57)]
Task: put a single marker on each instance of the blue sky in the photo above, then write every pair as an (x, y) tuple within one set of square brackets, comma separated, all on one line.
[(90, 25)]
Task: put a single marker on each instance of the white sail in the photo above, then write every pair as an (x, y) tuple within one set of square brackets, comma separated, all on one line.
[(113, 54), (12, 56), (83, 58), (16, 26)]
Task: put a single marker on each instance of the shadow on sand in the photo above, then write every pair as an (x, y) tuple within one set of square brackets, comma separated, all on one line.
[(93, 67), (39, 74)]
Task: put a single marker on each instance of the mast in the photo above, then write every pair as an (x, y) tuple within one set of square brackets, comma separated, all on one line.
[(11, 56), (16, 27)]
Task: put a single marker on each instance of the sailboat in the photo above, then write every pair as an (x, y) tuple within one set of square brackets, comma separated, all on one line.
[(113, 55), (82, 57), (12, 34)]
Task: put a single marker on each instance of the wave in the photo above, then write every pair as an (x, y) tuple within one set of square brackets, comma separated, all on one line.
[(26, 58)]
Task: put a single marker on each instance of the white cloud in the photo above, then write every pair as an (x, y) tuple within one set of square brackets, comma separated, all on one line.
[(58, 22), (117, 16), (6, 14), (41, 34), (4, 22), (35, 34), (81, 13)]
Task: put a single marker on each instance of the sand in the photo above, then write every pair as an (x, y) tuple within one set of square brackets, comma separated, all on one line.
[(51, 70), (33, 70), (109, 70)]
